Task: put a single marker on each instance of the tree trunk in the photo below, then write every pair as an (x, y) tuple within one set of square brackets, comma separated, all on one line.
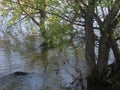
[(90, 41), (103, 55), (108, 72), (115, 66), (45, 45), (42, 19), (115, 49)]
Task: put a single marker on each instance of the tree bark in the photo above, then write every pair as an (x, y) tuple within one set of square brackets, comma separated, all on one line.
[(90, 41), (115, 49), (103, 55), (116, 64)]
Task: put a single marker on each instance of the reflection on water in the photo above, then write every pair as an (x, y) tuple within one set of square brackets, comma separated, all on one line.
[(48, 70), (52, 69), (27, 82)]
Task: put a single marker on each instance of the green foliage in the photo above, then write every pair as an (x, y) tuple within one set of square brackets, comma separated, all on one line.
[(56, 31), (59, 16)]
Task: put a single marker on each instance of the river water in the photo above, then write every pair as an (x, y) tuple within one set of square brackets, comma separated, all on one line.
[(52, 69)]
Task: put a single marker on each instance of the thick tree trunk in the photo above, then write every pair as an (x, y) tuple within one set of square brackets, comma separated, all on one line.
[(109, 73), (90, 41), (103, 55)]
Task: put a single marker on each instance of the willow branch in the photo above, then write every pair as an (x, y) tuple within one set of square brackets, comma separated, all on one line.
[(17, 21), (113, 12), (37, 23)]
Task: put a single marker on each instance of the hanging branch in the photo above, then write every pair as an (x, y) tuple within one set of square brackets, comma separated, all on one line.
[(112, 13), (17, 21), (37, 23)]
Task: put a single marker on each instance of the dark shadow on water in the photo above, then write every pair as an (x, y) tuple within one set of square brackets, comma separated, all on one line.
[(20, 73), (21, 81)]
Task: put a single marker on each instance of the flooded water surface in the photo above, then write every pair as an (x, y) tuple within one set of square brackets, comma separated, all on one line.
[(52, 69)]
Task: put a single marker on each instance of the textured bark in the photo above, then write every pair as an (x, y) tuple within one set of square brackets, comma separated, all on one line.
[(105, 43), (90, 42), (103, 55), (110, 73), (115, 67)]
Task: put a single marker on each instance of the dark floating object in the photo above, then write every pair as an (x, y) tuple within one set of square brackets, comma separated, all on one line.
[(20, 73)]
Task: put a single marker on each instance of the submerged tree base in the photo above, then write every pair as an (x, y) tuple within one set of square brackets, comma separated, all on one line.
[(109, 80)]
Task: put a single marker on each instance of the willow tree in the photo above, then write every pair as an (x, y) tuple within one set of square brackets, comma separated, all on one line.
[(25, 10), (103, 16), (106, 16), (66, 17), (107, 29)]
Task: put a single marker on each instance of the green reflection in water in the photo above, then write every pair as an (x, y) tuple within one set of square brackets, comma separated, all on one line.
[(43, 63)]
